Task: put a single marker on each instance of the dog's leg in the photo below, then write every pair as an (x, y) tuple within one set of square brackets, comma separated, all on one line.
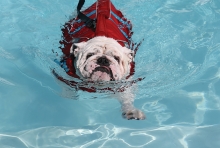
[(129, 112)]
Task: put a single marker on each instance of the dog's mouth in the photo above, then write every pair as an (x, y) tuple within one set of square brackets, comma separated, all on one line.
[(103, 69), (103, 72)]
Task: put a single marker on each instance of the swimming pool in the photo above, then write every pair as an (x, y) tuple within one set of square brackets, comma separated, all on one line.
[(180, 94)]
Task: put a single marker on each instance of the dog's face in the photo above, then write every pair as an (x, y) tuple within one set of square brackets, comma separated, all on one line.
[(102, 59)]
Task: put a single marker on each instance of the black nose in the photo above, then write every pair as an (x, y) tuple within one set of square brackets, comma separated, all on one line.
[(103, 61)]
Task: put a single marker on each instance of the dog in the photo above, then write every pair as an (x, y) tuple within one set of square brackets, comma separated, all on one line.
[(97, 49)]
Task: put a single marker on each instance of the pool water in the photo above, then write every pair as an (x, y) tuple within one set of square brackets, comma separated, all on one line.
[(179, 59)]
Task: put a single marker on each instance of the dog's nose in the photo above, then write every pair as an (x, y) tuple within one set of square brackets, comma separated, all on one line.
[(103, 61)]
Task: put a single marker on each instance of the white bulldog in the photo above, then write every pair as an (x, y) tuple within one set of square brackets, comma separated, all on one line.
[(104, 59)]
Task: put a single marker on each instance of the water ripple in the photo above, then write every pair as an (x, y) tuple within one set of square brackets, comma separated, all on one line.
[(108, 135)]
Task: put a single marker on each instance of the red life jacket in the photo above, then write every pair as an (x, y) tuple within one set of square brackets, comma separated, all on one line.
[(110, 22)]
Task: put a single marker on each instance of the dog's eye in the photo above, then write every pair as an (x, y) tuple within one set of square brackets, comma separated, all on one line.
[(89, 55), (117, 59)]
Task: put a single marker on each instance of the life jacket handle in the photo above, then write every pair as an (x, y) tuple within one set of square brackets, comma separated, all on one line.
[(88, 21)]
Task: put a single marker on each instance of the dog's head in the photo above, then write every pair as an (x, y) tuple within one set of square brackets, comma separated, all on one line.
[(102, 59)]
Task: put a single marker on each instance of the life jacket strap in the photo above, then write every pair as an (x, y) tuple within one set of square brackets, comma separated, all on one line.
[(88, 21)]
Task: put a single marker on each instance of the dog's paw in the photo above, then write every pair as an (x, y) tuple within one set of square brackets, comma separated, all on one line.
[(133, 114)]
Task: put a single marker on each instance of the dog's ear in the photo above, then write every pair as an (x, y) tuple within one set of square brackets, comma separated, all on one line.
[(76, 47), (129, 53)]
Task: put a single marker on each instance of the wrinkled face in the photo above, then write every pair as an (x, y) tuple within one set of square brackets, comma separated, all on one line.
[(102, 59)]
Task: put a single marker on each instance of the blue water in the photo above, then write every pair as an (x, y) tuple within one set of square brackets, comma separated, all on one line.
[(180, 94)]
